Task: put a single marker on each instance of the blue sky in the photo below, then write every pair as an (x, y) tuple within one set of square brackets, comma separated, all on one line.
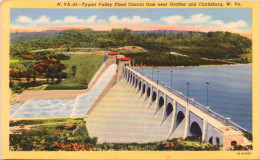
[(238, 20)]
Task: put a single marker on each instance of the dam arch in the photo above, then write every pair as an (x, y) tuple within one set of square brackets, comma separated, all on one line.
[(140, 85), (154, 96), (195, 129), (148, 92), (217, 141), (144, 88), (211, 140), (161, 102), (180, 117), (169, 109), (136, 82), (128, 77)]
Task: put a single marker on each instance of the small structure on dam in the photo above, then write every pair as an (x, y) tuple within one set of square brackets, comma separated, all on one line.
[(138, 109)]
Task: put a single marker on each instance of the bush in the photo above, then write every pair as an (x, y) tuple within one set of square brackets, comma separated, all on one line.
[(248, 135), (53, 137), (16, 88), (194, 138)]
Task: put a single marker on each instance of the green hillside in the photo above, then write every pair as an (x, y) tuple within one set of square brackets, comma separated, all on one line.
[(224, 47)]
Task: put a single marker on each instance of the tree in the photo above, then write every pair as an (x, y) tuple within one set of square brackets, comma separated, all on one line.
[(29, 73), (17, 72), (49, 68), (41, 55), (74, 68), (51, 72), (68, 49)]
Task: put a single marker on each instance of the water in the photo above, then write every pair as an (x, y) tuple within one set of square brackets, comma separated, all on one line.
[(51, 107), (229, 89), (42, 108)]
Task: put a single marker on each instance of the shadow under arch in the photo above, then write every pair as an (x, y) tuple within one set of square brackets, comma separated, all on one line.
[(195, 130), (180, 117), (169, 109), (161, 102), (148, 92)]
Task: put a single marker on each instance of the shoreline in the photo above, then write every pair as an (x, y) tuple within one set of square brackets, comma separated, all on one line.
[(214, 65)]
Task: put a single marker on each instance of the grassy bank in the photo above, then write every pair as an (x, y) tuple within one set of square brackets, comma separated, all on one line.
[(72, 135), (80, 69)]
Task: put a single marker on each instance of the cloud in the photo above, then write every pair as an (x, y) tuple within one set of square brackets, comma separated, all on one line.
[(43, 19), (194, 19), (204, 20), (128, 20), (198, 18), (57, 22), (230, 25), (24, 19), (217, 23), (73, 20), (238, 24), (172, 19)]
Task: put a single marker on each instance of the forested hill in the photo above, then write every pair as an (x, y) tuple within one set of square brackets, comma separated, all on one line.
[(214, 45), (20, 36)]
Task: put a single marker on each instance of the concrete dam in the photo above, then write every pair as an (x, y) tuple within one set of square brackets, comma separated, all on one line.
[(137, 109)]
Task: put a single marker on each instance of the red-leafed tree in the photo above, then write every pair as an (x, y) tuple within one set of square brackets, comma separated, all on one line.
[(49, 68)]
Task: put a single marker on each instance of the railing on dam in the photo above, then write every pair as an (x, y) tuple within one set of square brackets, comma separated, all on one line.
[(223, 120)]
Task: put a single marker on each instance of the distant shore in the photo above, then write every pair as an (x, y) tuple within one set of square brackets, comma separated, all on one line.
[(219, 65)]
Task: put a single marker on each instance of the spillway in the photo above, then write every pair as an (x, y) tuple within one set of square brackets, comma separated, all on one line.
[(124, 116), (52, 108), (84, 102)]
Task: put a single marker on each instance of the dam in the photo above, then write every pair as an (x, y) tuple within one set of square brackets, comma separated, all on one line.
[(137, 109)]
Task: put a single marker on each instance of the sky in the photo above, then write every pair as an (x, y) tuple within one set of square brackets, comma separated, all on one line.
[(234, 20)]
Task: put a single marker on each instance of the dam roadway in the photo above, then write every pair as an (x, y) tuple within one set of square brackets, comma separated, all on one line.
[(139, 110)]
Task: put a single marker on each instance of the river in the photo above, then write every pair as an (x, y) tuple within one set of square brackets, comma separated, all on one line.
[(229, 88)]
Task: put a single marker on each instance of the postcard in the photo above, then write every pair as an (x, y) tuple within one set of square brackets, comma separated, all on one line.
[(130, 79)]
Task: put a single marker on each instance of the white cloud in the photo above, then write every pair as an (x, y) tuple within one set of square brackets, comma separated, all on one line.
[(217, 23), (73, 20), (173, 19), (56, 22), (238, 24), (43, 19), (128, 20), (198, 18), (92, 19), (194, 19), (101, 21), (24, 19), (68, 20), (230, 25), (204, 20)]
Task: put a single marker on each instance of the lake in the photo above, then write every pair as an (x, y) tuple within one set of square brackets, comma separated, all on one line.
[(229, 88)]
